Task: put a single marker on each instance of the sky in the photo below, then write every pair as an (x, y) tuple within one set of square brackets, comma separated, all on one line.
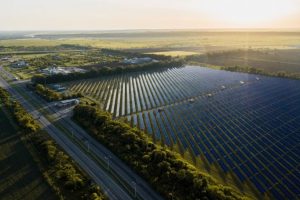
[(148, 14)]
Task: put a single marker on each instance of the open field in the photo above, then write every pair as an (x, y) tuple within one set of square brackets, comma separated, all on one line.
[(269, 60), (20, 177), (224, 118), (202, 41)]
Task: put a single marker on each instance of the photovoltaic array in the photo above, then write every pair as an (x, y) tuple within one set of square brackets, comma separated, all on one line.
[(247, 124)]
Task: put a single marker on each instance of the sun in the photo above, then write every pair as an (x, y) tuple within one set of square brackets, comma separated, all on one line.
[(249, 12)]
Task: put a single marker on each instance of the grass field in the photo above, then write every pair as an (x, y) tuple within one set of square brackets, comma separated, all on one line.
[(20, 176)]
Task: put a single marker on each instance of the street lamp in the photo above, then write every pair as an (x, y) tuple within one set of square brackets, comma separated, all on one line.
[(88, 145), (107, 158), (134, 186)]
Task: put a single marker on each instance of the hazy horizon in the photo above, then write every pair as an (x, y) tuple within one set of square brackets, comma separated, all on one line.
[(110, 15), (160, 30)]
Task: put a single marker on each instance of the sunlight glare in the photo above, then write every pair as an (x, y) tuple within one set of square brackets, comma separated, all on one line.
[(249, 12)]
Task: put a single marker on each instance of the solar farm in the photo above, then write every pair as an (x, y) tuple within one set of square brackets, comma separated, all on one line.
[(248, 125)]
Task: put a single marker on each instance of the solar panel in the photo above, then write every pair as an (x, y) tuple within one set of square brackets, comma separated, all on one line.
[(254, 125)]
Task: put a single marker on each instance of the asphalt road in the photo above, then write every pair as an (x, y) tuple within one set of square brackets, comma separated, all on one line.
[(111, 188), (113, 164)]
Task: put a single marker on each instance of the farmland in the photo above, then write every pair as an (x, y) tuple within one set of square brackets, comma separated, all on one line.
[(20, 176), (224, 118)]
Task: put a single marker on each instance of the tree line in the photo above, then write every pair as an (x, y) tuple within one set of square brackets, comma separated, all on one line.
[(59, 170), (42, 49), (130, 54), (166, 171), (24, 120), (253, 70), (51, 95), (42, 79)]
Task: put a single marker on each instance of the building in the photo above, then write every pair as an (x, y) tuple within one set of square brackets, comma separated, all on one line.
[(19, 64), (58, 88), (139, 60), (54, 70), (16, 78), (191, 100), (61, 70), (67, 103), (6, 58)]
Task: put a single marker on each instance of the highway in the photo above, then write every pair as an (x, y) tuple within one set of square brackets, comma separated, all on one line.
[(120, 181), (111, 188)]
